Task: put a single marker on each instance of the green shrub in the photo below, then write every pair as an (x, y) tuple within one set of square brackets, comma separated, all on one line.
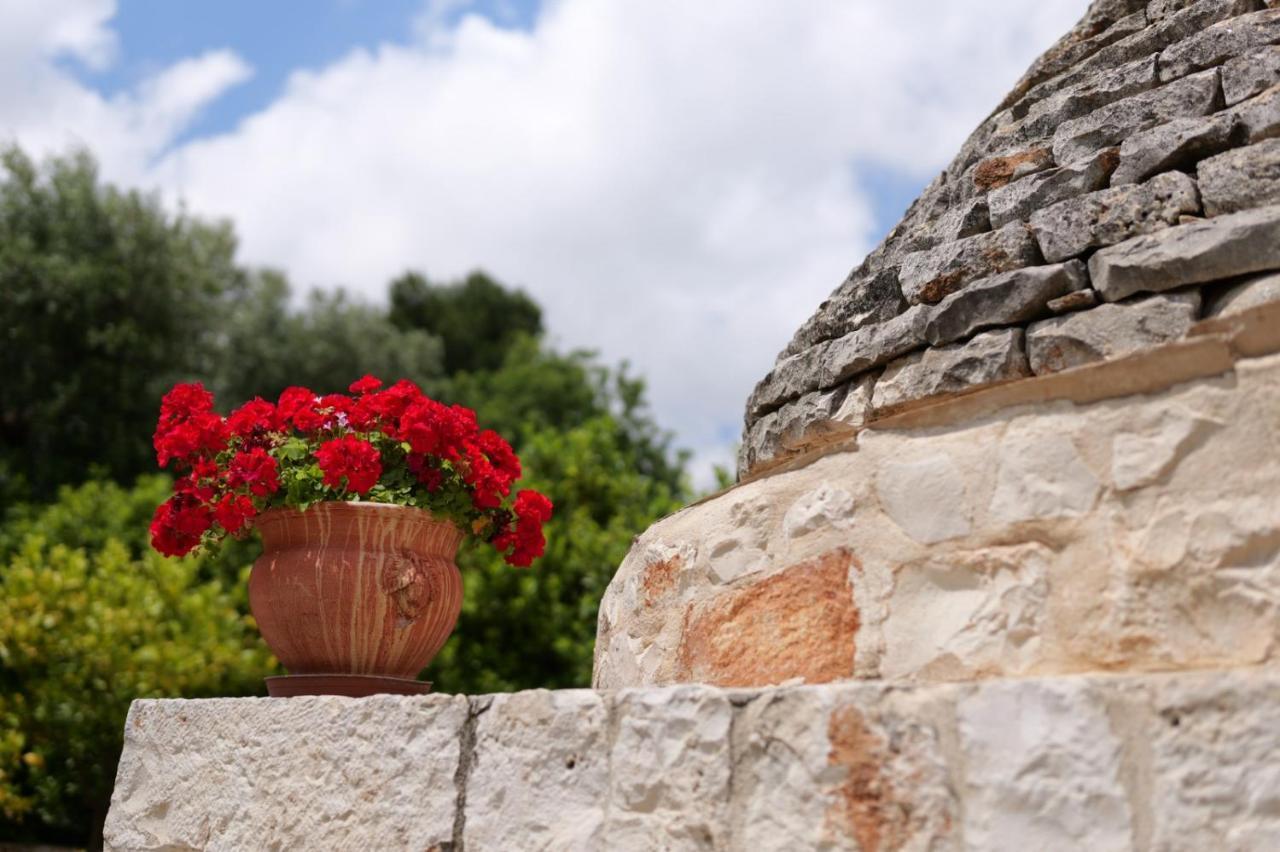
[(89, 621)]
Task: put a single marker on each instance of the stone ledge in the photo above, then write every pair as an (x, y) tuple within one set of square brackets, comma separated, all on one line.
[(1178, 761)]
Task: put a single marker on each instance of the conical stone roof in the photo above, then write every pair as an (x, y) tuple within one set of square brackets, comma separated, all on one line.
[(1128, 187)]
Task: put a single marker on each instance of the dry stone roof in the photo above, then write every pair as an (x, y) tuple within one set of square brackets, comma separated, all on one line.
[(1127, 187)]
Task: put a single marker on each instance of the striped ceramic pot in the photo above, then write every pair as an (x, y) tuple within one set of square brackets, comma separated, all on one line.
[(354, 598)]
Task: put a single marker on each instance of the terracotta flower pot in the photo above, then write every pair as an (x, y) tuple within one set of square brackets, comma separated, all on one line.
[(354, 598)]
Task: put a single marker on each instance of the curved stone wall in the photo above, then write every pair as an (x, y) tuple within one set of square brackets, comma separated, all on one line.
[(1122, 516)]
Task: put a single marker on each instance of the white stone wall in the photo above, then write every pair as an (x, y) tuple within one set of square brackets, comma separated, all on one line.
[(1138, 532), (1170, 761)]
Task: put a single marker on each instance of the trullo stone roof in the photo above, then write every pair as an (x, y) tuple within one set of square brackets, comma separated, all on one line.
[(1128, 187)]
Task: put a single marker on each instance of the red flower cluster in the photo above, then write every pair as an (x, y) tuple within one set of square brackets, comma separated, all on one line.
[(423, 453), (526, 541), (351, 463)]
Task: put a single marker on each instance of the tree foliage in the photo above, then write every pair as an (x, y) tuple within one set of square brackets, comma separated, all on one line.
[(104, 300), (477, 318)]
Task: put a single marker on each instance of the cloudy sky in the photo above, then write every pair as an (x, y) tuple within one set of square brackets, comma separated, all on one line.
[(678, 183)]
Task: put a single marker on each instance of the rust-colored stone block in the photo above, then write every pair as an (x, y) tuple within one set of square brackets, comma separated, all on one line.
[(800, 622)]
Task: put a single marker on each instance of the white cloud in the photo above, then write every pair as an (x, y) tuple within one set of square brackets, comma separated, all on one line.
[(674, 181), (48, 110)]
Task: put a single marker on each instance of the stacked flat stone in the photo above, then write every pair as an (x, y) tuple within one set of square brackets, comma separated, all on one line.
[(1130, 181)]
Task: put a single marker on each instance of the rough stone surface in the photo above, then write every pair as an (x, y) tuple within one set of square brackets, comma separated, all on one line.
[(538, 765), (1070, 228), (990, 357), (872, 346), (993, 173), (1176, 144), (1109, 331), (1017, 201), (1220, 42), (1194, 253), (790, 378), (1241, 179), (864, 299), (1246, 76), (1136, 532), (1192, 96), (1043, 117), (251, 772), (1132, 761), (930, 276), (1259, 116), (1077, 301), (809, 419), (1006, 299), (1241, 296)]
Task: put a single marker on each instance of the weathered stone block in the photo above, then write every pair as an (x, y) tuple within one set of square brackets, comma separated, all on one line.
[(1176, 144), (1106, 87), (1194, 253), (875, 778), (1241, 179), (290, 773), (802, 620), (930, 276), (1110, 331), (995, 172), (538, 768), (993, 356), (1072, 227), (1241, 296), (1006, 299), (863, 299), (1077, 301), (1049, 780), (1252, 74), (1220, 42), (813, 417), (872, 346), (1196, 95), (1204, 734), (1259, 117), (670, 770), (1018, 200), (790, 378)]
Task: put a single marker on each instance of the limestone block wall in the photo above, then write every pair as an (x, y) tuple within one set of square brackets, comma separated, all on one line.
[(1175, 761), (1122, 516)]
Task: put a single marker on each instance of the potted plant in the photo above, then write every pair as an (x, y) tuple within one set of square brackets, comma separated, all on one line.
[(362, 501)]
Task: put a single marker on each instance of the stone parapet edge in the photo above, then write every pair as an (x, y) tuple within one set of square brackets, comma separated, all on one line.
[(1118, 760)]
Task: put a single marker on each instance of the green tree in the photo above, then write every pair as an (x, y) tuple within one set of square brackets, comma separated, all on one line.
[(267, 346), (477, 318), (105, 301)]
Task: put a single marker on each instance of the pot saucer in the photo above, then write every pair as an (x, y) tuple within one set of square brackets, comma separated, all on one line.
[(350, 685)]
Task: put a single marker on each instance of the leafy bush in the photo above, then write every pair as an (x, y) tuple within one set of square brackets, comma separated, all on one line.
[(90, 620)]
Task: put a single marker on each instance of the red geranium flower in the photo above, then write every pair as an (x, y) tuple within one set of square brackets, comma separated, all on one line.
[(233, 510), (253, 419), (256, 469), (350, 457), (526, 540), (178, 524), (365, 385)]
